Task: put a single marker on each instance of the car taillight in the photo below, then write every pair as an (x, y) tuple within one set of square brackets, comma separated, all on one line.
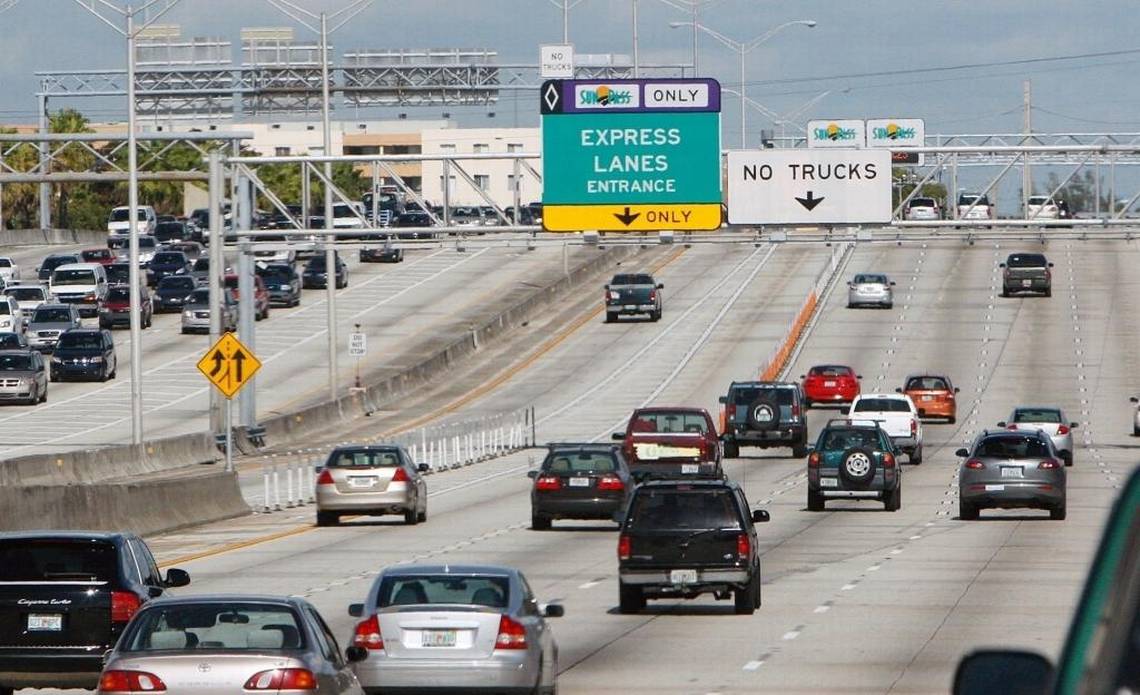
[(1012, 427), (367, 634), (512, 634), (400, 476), (1048, 273), (610, 294), (548, 483), (1005, 273), (610, 482), (730, 410), (743, 545), (888, 460), (1046, 465), (124, 605), (1063, 429), (282, 679), (913, 427), (653, 295), (813, 460), (625, 547), (975, 464), (130, 682), (325, 478), (795, 411)]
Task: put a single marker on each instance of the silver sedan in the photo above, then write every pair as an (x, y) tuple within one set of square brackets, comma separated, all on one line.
[(870, 289), (1011, 470), (215, 645), (1047, 419), (371, 480), (439, 627)]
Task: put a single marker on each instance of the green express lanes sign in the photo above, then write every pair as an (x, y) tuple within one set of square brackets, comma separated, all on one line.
[(631, 158)]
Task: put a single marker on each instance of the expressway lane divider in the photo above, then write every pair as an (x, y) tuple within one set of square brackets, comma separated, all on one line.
[(785, 355)]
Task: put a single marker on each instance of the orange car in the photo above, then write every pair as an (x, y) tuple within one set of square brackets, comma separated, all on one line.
[(933, 395)]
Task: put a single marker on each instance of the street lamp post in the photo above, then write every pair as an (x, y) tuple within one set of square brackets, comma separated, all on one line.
[(744, 48), (694, 7), (565, 6)]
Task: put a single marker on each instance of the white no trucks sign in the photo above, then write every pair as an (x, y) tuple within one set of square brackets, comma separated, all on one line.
[(809, 187)]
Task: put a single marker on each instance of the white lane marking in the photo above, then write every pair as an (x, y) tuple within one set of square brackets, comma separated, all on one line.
[(588, 585), (847, 587), (790, 635), (874, 568), (821, 609), (753, 665), (896, 551)]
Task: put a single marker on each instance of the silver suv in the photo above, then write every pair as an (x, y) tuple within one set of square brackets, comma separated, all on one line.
[(49, 322), (196, 311)]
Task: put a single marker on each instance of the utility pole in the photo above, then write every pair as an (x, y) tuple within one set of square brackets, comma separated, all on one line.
[(1027, 130), (636, 58)]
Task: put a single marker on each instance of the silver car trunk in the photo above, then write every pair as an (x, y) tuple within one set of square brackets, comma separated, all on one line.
[(206, 673), (439, 632), (366, 479)]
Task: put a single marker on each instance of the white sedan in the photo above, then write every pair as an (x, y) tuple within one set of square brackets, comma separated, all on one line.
[(9, 270)]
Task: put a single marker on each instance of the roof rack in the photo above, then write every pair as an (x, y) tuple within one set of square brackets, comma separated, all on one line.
[(853, 422)]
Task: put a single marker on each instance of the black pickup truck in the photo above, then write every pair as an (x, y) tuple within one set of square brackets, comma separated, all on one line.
[(630, 294), (65, 597), (680, 539), (1026, 272)]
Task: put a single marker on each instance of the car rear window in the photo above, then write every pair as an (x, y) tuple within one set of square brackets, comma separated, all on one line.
[(161, 258), (219, 626), (1039, 200), (5, 309), (870, 279), (580, 462), (177, 283), (881, 405), (1037, 415), (364, 459), (5, 262), (51, 315), (677, 508), (444, 589), (11, 341), (1012, 447), (25, 294), (1027, 260), (119, 294), (922, 202), (973, 200), (632, 279), (670, 422), (74, 277), (746, 395), (926, 383), (81, 340), (830, 370), (57, 561), (849, 438)]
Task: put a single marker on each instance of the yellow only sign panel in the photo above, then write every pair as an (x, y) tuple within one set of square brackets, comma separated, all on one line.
[(229, 365), (631, 218)]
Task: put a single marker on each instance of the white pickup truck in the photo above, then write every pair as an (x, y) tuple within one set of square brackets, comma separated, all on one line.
[(897, 416)]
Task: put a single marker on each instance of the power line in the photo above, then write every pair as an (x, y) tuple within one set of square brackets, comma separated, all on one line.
[(1080, 119)]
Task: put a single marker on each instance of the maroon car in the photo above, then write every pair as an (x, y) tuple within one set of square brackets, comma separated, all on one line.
[(671, 443)]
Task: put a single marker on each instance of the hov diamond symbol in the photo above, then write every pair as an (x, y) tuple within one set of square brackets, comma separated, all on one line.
[(551, 95)]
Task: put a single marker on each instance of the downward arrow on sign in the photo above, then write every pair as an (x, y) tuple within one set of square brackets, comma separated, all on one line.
[(627, 219), (810, 201)]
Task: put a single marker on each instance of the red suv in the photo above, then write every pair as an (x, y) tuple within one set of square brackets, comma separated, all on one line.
[(671, 443), (830, 383), (260, 295)]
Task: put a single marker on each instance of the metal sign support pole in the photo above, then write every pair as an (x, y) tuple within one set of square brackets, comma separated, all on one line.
[(217, 260), (330, 249), (135, 277), (229, 435)]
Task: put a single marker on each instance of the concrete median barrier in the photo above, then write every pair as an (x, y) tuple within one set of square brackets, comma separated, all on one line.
[(35, 237)]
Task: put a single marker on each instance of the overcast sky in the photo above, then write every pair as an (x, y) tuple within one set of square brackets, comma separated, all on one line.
[(1090, 94)]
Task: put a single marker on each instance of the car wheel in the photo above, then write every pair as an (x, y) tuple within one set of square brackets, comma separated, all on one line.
[(731, 449), (967, 511), (43, 394), (815, 500), (799, 450), (149, 320), (539, 522), (1057, 513), (411, 518), (114, 371), (1049, 292), (610, 317), (327, 518), (1135, 431), (1004, 292), (744, 600), (893, 501), (655, 316), (952, 420), (1067, 457), (630, 599), (422, 516), (889, 305), (53, 378), (916, 456)]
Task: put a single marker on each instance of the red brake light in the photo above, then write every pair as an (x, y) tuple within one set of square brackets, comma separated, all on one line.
[(730, 410), (124, 604), (512, 634), (1045, 465), (367, 635), (975, 464), (131, 682), (1012, 427), (548, 483), (282, 679), (795, 411), (888, 460), (325, 478), (813, 460), (610, 482), (625, 547), (400, 476), (1063, 429), (653, 295), (913, 426), (743, 545)]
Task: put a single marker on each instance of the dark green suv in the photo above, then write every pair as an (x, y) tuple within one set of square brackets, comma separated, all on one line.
[(763, 414), (854, 459)]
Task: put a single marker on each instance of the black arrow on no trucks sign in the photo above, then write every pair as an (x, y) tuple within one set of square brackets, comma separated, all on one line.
[(810, 201)]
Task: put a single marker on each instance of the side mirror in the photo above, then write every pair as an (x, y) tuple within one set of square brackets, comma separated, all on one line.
[(962, 453), (1074, 425), (1134, 399), (154, 591), (1050, 265), (761, 516), (898, 390), (355, 654), (176, 578), (605, 287), (892, 283), (356, 610), (532, 474), (1008, 671), (723, 400), (660, 285), (423, 467), (809, 448), (802, 376), (845, 410), (1001, 265), (554, 610), (858, 376), (1001, 423), (956, 389), (618, 436)]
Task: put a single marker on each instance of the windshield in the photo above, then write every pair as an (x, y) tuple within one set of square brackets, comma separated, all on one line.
[(25, 294), (745, 395), (1012, 447), (881, 405), (169, 259), (669, 422), (638, 279), (443, 589), (370, 458), (927, 383), (52, 315), (73, 277), (177, 283), (124, 215), (849, 438), (225, 626), (15, 363), (12, 341), (580, 462), (56, 560), (1027, 260), (676, 508), (1037, 415), (82, 341), (118, 272)]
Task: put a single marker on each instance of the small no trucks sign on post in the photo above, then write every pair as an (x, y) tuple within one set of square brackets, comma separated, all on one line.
[(631, 155)]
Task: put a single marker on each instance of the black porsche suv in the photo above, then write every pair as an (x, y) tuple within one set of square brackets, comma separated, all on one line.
[(680, 539)]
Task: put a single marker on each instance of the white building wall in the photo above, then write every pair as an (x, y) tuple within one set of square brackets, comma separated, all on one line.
[(498, 173), (272, 138)]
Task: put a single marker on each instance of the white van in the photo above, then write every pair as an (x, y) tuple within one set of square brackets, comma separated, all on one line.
[(119, 221), (81, 284)]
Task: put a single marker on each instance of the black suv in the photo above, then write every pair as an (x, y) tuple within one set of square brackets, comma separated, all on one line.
[(764, 414), (579, 481), (680, 539), (65, 597)]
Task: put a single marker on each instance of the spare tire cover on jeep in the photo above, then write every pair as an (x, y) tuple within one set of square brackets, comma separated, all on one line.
[(763, 414), (857, 466)]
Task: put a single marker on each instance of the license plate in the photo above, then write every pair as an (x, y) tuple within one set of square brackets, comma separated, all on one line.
[(362, 482), (631, 307), (1012, 472), (690, 469), (1026, 283), (579, 482), (928, 398), (829, 482), (829, 384), (683, 577), (45, 622), (995, 488), (438, 638)]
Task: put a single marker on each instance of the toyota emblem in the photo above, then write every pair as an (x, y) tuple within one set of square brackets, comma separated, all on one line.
[(204, 668)]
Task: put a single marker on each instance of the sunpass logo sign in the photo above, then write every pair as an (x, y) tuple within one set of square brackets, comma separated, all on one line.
[(893, 132), (604, 96), (845, 133), (896, 132), (834, 132)]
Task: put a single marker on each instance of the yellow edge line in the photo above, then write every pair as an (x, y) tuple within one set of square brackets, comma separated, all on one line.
[(478, 391)]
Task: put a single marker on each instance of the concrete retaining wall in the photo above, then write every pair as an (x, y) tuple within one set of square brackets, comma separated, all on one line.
[(33, 237)]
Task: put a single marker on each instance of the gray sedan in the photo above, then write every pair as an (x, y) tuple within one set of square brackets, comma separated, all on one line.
[(1047, 419), (468, 628), (1011, 470), (207, 645), (23, 377), (371, 480), (870, 289)]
